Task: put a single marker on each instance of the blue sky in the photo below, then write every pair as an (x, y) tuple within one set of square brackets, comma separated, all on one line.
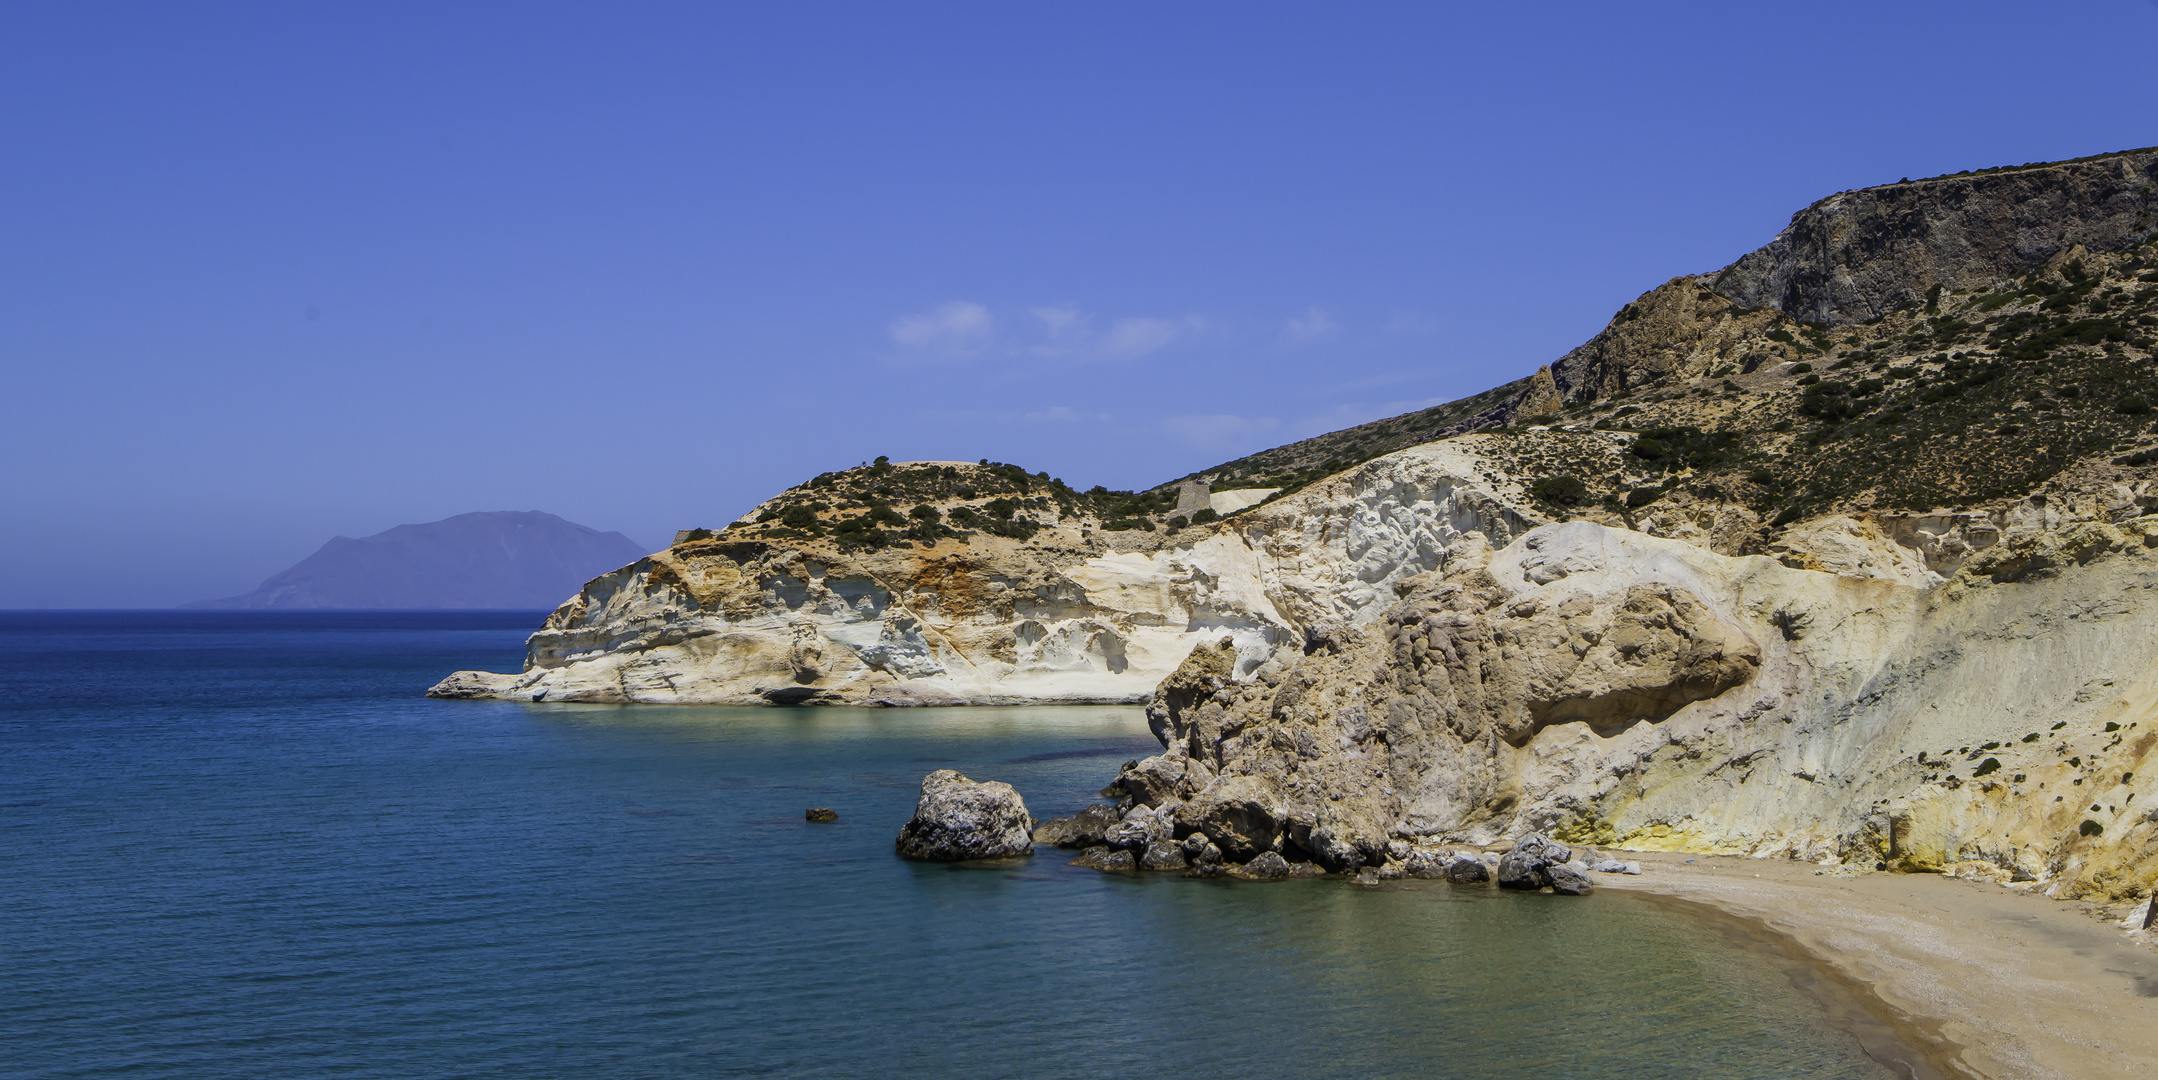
[(275, 272)]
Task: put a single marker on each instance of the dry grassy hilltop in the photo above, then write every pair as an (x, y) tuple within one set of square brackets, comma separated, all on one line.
[(1840, 552)]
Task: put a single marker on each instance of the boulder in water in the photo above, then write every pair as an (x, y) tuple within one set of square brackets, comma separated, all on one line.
[(1268, 866), (1084, 829), (1162, 855), (1467, 870), (1141, 829), (1568, 881), (1106, 858), (1528, 865), (1200, 851), (1520, 871), (957, 819)]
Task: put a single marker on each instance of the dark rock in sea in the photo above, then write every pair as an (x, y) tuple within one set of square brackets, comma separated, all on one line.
[(1085, 829), (1142, 828), (1424, 864), (1519, 871), (1200, 851), (1468, 870), (1568, 881), (958, 819), (1106, 858), (1162, 855), (1523, 867), (820, 814), (1536, 862), (1268, 866)]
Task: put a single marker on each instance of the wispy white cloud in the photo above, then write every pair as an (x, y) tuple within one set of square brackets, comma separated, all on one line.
[(1312, 326), (1221, 431), (956, 330), (965, 330)]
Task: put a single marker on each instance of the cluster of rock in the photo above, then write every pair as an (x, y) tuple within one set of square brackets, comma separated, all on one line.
[(1536, 863), (958, 820), (1144, 840), (1136, 837)]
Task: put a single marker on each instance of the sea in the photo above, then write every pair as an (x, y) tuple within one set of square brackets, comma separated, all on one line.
[(244, 844)]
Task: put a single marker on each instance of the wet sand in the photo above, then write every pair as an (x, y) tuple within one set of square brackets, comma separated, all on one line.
[(1991, 982)]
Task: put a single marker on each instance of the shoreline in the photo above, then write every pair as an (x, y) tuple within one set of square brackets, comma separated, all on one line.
[(1984, 981)]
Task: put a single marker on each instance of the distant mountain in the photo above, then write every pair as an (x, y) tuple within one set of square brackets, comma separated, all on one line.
[(500, 559)]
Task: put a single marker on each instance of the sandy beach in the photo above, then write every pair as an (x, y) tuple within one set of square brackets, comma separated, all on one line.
[(1993, 982)]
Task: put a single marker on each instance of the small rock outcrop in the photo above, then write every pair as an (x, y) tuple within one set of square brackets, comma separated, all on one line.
[(1141, 829), (1106, 858), (958, 819), (1162, 855), (1467, 870), (1085, 829), (1531, 863), (1567, 881), (822, 815), (1269, 866)]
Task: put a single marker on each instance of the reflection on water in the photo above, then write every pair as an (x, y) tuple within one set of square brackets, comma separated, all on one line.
[(219, 868)]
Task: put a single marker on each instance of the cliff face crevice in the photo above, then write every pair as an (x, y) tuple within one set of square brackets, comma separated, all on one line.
[(1859, 254)]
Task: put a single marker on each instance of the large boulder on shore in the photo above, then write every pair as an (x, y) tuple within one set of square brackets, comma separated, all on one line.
[(958, 819), (1535, 862), (1567, 881), (1467, 870)]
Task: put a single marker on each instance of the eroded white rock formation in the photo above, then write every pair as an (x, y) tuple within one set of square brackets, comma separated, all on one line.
[(997, 621)]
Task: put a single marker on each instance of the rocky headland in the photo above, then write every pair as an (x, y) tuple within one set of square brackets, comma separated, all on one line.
[(1844, 552)]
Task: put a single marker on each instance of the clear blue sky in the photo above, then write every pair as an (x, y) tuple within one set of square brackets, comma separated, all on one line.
[(275, 272)]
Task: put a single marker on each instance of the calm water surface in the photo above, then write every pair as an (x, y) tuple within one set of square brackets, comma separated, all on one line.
[(243, 845)]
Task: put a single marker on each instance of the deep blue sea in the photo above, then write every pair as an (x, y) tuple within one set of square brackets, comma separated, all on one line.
[(244, 845)]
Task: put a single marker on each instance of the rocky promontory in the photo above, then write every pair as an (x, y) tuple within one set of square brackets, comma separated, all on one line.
[(1845, 552)]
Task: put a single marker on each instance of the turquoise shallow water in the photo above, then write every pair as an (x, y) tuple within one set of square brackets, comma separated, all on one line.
[(241, 845)]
